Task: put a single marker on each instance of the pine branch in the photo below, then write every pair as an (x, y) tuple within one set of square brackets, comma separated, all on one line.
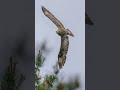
[(11, 79)]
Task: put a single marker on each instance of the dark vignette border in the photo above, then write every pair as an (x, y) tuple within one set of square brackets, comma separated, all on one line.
[(17, 38)]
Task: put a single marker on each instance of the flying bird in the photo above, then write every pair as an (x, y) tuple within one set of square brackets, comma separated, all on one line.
[(88, 20), (63, 33)]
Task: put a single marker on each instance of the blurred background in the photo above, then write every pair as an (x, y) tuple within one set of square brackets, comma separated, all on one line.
[(17, 38)]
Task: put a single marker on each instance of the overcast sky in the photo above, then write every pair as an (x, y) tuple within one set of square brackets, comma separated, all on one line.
[(72, 14)]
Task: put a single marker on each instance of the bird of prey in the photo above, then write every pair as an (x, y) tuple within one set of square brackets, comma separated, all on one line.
[(63, 33), (88, 20)]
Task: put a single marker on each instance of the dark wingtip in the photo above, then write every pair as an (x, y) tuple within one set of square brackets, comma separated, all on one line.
[(72, 35), (60, 65), (43, 8)]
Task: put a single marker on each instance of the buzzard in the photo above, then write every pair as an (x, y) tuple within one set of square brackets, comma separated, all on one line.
[(63, 33)]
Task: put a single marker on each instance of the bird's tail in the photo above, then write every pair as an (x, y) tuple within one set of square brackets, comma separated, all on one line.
[(69, 33)]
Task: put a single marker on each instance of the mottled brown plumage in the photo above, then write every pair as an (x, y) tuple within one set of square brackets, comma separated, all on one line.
[(63, 50), (63, 33)]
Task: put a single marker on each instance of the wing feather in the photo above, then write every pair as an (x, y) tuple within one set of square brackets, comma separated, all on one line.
[(63, 51), (52, 18)]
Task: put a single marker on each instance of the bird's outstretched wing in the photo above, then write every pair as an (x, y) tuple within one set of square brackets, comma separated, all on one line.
[(52, 18), (63, 51), (88, 20)]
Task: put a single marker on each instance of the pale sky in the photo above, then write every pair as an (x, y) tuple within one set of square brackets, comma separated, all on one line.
[(72, 14)]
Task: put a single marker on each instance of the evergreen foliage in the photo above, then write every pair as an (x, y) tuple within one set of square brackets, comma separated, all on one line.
[(51, 81)]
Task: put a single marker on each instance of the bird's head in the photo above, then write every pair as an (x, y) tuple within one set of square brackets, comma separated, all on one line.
[(59, 32), (62, 32)]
